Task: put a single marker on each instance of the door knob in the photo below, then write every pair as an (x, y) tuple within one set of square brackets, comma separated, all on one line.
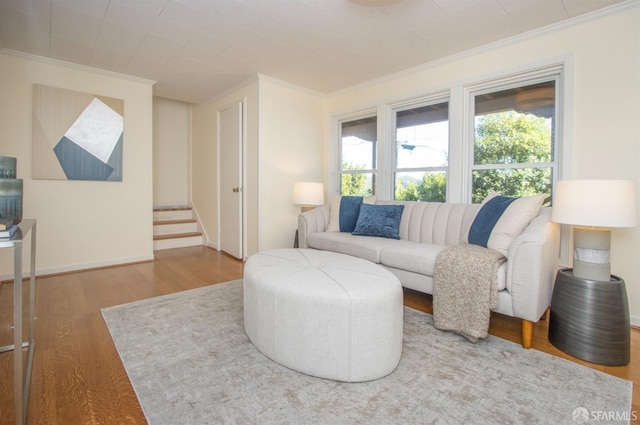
[(235, 189)]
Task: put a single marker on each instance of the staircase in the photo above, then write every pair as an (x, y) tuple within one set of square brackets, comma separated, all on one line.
[(175, 228)]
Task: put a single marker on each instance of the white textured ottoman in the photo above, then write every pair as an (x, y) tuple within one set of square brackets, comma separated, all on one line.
[(324, 314)]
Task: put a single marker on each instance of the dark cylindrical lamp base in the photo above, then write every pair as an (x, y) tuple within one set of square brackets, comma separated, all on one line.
[(590, 319)]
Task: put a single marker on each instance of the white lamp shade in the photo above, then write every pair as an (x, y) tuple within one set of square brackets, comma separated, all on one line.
[(595, 203), (308, 193)]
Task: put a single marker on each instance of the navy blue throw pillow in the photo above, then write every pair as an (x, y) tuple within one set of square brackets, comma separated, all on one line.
[(487, 218), (349, 211), (379, 220)]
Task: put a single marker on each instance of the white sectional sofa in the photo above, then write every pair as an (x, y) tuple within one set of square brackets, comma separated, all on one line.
[(525, 280)]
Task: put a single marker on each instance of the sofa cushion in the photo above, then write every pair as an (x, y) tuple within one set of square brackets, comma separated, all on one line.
[(379, 220), (411, 256), (440, 223), (368, 248), (345, 211), (501, 219), (421, 258)]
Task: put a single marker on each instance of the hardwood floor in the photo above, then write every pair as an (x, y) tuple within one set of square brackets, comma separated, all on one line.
[(78, 377)]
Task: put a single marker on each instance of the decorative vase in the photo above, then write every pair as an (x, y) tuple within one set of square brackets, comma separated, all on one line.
[(8, 167), (10, 191)]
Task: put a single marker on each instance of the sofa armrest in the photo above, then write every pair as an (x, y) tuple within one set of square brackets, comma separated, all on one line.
[(312, 221), (532, 266)]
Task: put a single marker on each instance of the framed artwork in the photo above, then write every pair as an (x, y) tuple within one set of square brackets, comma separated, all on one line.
[(76, 136)]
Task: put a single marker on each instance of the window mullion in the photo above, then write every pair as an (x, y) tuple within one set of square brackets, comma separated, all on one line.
[(386, 158), (459, 176), (513, 166), (418, 169)]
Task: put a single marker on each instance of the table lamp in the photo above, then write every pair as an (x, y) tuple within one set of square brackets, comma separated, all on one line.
[(592, 207), (308, 195)]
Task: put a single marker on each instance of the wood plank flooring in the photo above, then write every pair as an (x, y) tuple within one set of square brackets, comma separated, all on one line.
[(78, 377)]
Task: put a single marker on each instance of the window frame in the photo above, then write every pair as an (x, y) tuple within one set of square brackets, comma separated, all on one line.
[(546, 74), (392, 111), (339, 172), (461, 126)]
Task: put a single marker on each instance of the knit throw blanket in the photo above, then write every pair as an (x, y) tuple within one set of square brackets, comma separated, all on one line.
[(465, 289)]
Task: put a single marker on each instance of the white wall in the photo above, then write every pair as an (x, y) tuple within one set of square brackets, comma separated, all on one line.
[(171, 152), (80, 223), (284, 143), (204, 158), (292, 134), (603, 103)]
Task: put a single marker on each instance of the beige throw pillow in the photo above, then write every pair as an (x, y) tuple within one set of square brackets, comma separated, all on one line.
[(501, 219)]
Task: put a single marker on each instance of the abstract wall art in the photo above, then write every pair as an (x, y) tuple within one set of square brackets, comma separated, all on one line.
[(76, 136)]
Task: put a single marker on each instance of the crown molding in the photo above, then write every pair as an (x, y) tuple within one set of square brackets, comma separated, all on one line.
[(229, 91), (293, 86), (69, 65), (614, 9)]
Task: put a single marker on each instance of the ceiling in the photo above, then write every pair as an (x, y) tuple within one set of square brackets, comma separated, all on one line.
[(197, 49)]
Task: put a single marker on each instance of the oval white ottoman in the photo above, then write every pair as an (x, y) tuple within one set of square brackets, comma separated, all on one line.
[(324, 314)]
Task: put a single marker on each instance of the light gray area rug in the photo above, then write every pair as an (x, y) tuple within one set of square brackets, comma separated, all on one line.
[(190, 362)]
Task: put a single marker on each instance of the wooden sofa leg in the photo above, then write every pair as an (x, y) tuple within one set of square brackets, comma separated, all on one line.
[(547, 314), (527, 333)]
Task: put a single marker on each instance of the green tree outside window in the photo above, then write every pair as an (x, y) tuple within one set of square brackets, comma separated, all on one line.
[(355, 184), (500, 139), (511, 138)]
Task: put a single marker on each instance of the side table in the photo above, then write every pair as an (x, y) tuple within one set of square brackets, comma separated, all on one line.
[(590, 319), (22, 377)]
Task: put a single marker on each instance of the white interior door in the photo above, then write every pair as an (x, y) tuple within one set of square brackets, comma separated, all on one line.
[(230, 125)]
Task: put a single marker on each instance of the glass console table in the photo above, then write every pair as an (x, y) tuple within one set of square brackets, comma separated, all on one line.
[(22, 372)]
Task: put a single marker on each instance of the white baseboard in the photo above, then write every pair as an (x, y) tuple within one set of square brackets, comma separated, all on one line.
[(635, 321), (78, 267)]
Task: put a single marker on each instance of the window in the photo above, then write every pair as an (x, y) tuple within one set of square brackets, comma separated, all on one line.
[(422, 153), (458, 144), (514, 143), (358, 156)]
